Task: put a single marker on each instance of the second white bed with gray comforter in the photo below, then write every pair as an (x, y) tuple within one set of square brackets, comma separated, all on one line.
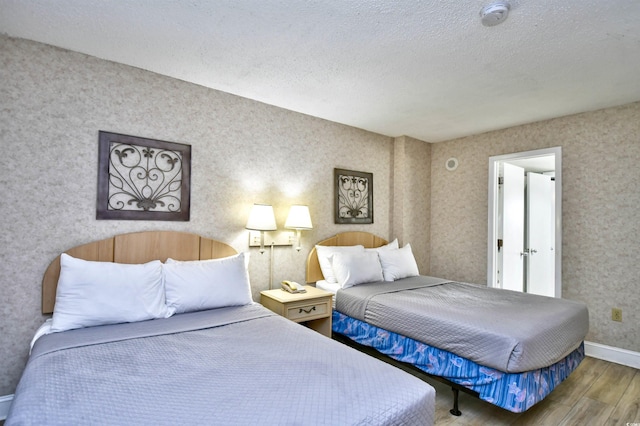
[(507, 330)]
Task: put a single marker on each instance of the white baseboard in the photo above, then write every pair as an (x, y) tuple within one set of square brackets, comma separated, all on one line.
[(611, 354), (5, 403)]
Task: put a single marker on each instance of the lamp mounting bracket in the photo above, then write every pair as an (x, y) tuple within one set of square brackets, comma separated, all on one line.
[(277, 238)]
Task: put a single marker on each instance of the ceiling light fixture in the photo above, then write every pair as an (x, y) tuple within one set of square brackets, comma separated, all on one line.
[(495, 13)]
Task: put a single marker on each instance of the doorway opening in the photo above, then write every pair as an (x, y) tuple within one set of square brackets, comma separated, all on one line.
[(525, 222)]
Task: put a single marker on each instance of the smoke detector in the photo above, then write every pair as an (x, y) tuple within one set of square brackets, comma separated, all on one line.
[(494, 13)]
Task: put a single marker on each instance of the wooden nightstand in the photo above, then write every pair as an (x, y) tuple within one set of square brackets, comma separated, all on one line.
[(312, 308)]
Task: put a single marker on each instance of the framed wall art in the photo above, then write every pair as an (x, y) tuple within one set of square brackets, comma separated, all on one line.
[(353, 196), (142, 179)]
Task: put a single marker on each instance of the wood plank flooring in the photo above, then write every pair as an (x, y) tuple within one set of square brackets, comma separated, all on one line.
[(596, 393)]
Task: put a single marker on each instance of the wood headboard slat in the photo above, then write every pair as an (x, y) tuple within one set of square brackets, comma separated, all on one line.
[(212, 249), (352, 238), (138, 247), (146, 246)]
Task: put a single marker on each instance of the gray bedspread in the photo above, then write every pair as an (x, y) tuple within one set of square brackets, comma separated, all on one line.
[(240, 366), (510, 331)]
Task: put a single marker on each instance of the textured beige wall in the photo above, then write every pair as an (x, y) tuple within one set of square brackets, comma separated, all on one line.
[(411, 197), (601, 201), (52, 104)]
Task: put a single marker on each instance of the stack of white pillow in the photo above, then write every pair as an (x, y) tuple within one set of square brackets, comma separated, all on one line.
[(352, 265), (98, 293)]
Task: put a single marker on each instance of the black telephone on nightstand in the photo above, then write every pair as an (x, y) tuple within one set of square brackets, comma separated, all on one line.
[(293, 287)]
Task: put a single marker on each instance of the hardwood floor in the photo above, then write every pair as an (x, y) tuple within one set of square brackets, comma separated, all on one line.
[(597, 393)]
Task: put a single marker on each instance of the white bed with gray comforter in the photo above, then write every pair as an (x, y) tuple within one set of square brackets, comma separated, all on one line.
[(237, 365), (509, 348), (506, 330), (134, 341)]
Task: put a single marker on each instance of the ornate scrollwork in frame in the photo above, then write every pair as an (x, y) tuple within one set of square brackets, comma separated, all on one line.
[(353, 196), (143, 179)]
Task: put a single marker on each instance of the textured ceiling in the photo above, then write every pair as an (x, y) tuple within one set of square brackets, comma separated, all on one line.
[(426, 69)]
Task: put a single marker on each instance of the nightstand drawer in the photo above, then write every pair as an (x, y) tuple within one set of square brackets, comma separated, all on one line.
[(312, 308), (308, 311)]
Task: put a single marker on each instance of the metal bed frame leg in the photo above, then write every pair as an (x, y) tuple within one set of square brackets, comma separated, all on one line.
[(455, 410)]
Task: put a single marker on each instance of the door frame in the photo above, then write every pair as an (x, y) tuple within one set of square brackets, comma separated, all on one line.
[(492, 246)]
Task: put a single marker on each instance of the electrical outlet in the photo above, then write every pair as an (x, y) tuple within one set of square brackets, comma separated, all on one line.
[(616, 314)]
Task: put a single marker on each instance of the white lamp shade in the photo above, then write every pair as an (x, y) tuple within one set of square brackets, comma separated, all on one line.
[(261, 218), (298, 218)]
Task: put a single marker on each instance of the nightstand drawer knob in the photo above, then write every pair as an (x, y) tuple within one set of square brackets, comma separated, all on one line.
[(307, 311)]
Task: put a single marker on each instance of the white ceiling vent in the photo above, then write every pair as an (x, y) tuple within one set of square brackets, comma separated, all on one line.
[(494, 13)]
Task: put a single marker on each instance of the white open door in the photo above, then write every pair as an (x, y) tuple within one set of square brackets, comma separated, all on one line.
[(513, 228), (548, 160), (541, 235)]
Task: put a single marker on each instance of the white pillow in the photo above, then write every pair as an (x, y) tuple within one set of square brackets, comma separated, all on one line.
[(398, 263), (97, 293), (356, 268), (325, 252), (207, 284)]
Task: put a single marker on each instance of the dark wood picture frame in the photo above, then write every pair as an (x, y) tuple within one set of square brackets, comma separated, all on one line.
[(143, 179), (353, 197)]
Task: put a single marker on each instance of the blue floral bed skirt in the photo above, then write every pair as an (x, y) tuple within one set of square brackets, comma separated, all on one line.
[(516, 392)]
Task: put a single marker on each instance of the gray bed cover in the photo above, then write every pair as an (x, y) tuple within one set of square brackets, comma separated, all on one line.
[(507, 330), (241, 366)]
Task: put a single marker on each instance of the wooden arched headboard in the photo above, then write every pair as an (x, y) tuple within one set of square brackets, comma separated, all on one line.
[(368, 240), (138, 247)]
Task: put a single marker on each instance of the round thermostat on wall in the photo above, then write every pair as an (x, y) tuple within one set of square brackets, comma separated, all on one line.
[(451, 164)]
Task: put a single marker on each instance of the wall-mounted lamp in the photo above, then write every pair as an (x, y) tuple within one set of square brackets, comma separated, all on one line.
[(261, 218), (298, 219)]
